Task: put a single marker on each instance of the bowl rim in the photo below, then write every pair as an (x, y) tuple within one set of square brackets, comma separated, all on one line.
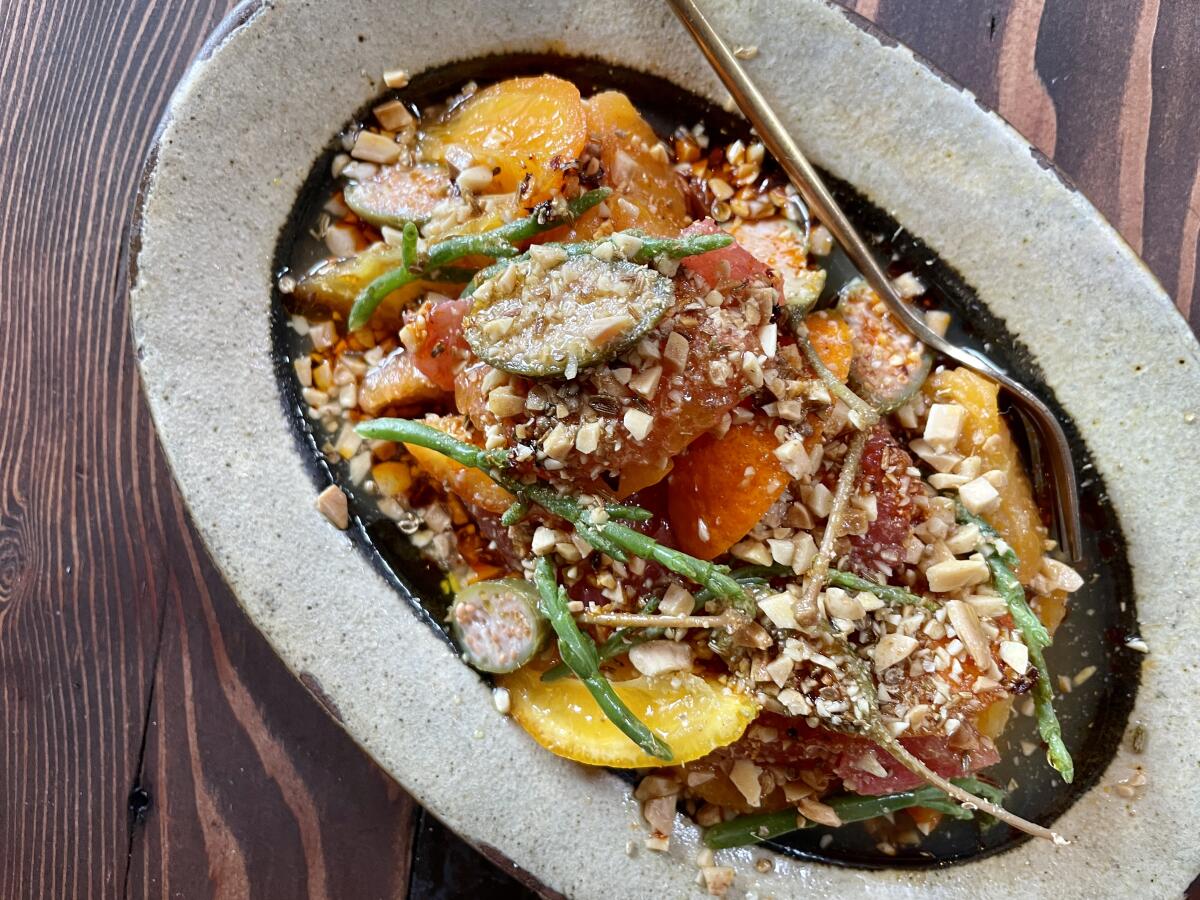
[(158, 382)]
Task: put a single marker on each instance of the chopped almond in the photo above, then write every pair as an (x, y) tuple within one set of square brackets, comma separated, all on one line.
[(638, 423), (332, 504), (979, 496), (893, 648), (744, 775), (954, 574), (656, 657), (375, 148)]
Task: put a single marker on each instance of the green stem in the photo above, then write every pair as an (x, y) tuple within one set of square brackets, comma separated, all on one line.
[(652, 248), (514, 514), (498, 242), (620, 538), (579, 653), (866, 414), (408, 431), (408, 246), (1002, 563), (849, 808), (494, 243), (628, 513), (619, 642), (896, 596)]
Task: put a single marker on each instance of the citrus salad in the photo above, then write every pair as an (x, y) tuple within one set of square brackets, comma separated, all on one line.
[(701, 514)]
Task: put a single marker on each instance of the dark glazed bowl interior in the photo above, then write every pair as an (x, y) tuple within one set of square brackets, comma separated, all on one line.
[(1102, 614)]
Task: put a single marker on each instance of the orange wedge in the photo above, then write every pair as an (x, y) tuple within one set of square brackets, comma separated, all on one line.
[(985, 434), (693, 715), (526, 129)]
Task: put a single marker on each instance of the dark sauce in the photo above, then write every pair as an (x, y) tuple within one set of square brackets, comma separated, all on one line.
[(1101, 615)]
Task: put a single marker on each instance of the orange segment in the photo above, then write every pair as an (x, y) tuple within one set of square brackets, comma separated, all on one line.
[(721, 488), (639, 175), (1051, 609), (397, 382), (985, 434), (641, 474), (992, 720), (393, 478), (525, 127), (832, 340), (694, 716), (471, 485)]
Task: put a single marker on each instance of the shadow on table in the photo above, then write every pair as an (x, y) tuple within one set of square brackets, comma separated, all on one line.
[(444, 867)]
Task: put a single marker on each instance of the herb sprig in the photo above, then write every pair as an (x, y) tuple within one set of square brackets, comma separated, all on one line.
[(754, 829), (579, 653), (496, 243), (1003, 563)]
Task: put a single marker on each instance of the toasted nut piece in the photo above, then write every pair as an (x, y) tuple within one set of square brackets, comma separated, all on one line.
[(779, 608), (638, 423), (1015, 656), (744, 775), (375, 148), (979, 496), (656, 657), (891, 649), (966, 623), (956, 573), (332, 504), (677, 601), (587, 439)]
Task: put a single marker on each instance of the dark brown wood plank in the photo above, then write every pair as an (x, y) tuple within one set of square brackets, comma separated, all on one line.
[(123, 658), (1106, 90), (79, 483), (252, 790)]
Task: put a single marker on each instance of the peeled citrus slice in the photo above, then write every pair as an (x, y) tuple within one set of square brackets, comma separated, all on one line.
[(783, 246), (470, 485), (526, 129), (722, 487), (693, 715), (832, 340), (986, 434), (647, 193)]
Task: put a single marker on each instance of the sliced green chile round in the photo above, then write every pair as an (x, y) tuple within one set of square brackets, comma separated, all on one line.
[(497, 625), (552, 318), (397, 194)]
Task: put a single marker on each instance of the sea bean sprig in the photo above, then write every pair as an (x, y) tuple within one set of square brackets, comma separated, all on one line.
[(754, 829), (498, 242), (889, 594), (1003, 562), (579, 653), (611, 537), (650, 249), (894, 596), (619, 642)]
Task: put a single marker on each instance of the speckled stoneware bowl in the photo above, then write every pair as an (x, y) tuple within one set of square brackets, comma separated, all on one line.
[(241, 137)]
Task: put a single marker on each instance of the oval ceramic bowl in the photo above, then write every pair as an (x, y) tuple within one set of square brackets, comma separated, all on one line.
[(239, 142)]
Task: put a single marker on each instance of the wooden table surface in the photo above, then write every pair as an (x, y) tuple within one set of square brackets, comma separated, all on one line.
[(152, 745)]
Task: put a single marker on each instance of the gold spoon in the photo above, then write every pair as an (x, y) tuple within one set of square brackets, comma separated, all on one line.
[(1047, 443)]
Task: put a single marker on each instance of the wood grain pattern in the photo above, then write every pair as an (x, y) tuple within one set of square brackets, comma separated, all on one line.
[(1106, 90), (152, 745)]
